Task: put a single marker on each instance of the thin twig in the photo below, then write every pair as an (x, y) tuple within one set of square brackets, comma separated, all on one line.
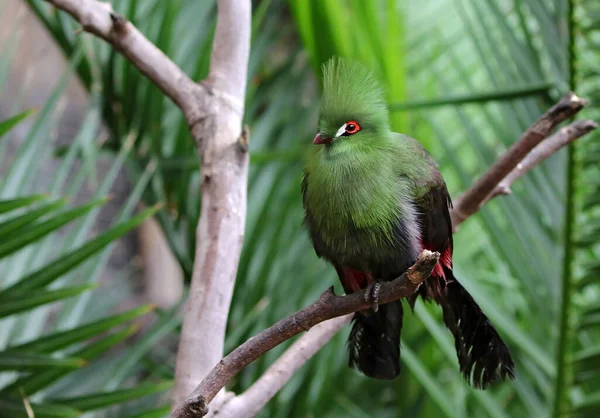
[(470, 202), (100, 19), (252, 400), (548, 147), (328, 306)]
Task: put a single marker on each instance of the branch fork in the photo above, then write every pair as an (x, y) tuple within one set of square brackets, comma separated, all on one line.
[(531, 149)]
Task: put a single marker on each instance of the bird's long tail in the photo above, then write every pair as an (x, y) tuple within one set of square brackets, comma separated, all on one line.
[(482, 355), (374, 342)]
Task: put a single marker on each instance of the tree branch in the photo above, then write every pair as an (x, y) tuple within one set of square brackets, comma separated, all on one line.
[(213, 110), (470, 202), (328, 306), (99, 19), (252, 401), (549, 146), (222, 147)]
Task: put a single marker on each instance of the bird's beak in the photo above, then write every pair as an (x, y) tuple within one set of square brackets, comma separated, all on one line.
[(321, 139)]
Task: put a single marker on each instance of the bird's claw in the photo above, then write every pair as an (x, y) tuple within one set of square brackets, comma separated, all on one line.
[(372, 296)]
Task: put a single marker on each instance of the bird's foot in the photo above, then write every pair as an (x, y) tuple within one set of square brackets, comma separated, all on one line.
[(372, 296)]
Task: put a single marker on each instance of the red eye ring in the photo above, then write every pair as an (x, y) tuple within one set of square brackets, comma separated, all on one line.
[(352, 127)]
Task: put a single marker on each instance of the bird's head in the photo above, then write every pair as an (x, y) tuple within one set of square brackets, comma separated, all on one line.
[(353, 111)]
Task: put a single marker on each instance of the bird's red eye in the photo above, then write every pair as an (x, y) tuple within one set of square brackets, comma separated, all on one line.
[(352, 127)]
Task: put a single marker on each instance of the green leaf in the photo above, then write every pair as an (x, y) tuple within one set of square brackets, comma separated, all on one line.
[(167, 322), (38, 381), (50, 272), (36, 231), (63, 339), (588, 354), (30, 362), (476, 98), (437, 393), (26, 162), (106, 399), (590, 405), (19, 302), (13, 224), (160, 412), (584, 376), (15, 408), (8, 124), (56, 29), (592, 310), (443, 339), (589, 321), (74, 310), (12, 204)]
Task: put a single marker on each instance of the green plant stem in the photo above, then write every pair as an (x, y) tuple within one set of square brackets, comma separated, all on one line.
[(563, 376), (499, 95)]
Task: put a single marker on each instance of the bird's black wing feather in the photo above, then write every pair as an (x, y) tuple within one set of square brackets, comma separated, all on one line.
[(482, 355)]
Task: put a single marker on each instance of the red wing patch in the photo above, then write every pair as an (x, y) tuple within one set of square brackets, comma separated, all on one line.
[(437, 282), (355, 280), (445, 261)]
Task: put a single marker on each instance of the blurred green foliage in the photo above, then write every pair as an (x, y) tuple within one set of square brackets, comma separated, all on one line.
[(39, 350), (466, 78)]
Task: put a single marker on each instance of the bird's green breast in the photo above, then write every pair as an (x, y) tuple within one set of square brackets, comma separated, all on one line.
[(354, 200)]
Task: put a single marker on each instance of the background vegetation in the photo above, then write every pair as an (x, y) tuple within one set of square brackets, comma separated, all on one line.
[(465, 77)]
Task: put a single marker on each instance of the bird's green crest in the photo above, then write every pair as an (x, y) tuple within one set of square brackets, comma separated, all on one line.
[(351, 92)]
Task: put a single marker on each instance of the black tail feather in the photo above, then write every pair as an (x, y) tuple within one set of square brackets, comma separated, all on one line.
[(374, 342), (482, 355)]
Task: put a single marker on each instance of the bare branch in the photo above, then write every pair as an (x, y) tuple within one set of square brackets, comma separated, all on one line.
[(328, 306), (224, 169), (230, 49), (99, 19), (549, 146), (250, 402), (470, 202)]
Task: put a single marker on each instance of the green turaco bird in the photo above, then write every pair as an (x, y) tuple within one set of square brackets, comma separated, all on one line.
[(374, 199)]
